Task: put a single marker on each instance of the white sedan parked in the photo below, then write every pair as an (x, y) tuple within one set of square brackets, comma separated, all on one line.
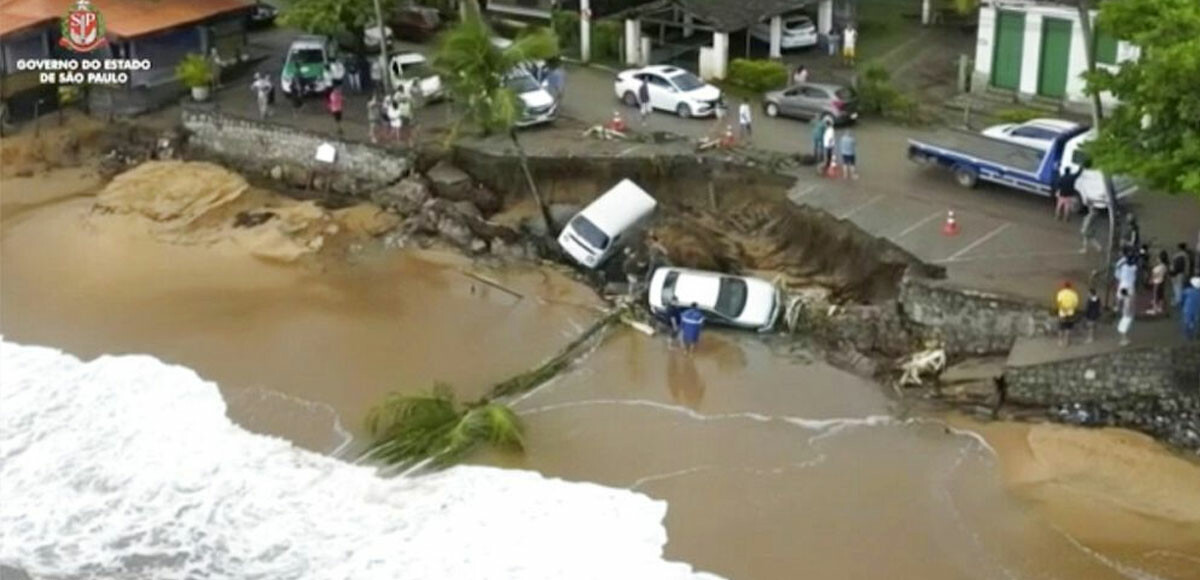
[(1037, 133), (671, 89), (797, 32), (733, 300)]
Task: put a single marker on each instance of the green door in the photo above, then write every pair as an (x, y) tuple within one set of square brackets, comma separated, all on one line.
[(1056, 53), (1009, 43)]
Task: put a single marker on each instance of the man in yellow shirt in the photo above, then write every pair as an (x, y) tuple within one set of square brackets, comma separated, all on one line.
[(1067, 301)]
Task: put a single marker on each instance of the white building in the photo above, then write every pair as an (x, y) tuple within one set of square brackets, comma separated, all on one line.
[(1035, 49)]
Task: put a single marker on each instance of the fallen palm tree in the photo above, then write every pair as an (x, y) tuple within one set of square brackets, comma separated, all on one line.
[(411, 431)]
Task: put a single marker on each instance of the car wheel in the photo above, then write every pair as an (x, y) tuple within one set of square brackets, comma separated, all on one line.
[(629, 99), (772, 110), (683, 110), (965, 176)]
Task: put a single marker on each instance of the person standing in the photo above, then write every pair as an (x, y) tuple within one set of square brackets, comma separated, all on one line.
[(1091, 314), (849, 152), (1131, 237), (800, 76), (1181, 268), (1191, 309), (691, 321), (744, 119), (1158, 285), (392, 109), (1125, 273), (1066, 301), (818, 136), (643, 96), (215, 62), (1065, 194), (262, 94), (336, 101), (1086, 230), (374, 115), (849, 41), (828, 140), (296, 92), (1126, 308), (556, 79)]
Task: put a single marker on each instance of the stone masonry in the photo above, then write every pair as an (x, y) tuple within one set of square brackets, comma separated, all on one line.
[(1153, 370), (267, 149)]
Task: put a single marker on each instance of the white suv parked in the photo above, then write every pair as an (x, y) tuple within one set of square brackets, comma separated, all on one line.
[(671, 89)]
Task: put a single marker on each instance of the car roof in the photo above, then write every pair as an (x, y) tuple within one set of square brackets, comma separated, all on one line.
[(697, 286), (663, 69), (309, 42), (826, 86), (619, 207), (1060, 125), (410, 58)]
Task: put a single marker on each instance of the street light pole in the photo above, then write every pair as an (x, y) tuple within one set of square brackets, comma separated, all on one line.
[(585, 30)]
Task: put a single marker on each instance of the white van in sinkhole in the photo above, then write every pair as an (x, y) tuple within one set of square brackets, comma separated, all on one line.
[(594, 233)]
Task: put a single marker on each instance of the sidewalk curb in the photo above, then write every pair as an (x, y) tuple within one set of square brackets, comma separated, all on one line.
[(593, 65)]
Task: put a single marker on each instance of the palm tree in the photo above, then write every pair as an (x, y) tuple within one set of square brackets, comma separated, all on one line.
[(410, 429), (475, 69)]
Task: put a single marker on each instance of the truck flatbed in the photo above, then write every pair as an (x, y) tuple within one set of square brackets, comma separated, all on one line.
[(986, 149)]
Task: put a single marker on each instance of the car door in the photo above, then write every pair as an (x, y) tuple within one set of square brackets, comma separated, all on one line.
[(789, 102), (662, 94), (815, 100)]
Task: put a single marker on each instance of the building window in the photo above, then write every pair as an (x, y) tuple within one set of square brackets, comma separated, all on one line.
[(1106, 48)]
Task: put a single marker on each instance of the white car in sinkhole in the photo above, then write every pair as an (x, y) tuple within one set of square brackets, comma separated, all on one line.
[(741, 301)]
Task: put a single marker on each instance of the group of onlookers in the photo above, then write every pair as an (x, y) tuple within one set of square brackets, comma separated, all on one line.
[(1172, 280)]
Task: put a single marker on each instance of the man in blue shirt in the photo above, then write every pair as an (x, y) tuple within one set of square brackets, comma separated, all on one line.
[(1191, 310), (691, 321), (848, 149)]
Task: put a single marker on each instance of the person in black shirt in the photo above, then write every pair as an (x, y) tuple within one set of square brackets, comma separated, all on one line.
[(1091, 314), (1065, 194)]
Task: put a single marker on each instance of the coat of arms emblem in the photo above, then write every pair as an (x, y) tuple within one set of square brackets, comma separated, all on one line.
[(83, 28)]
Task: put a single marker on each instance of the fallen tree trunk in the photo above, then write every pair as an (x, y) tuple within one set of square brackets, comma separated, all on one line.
[(530, 379)]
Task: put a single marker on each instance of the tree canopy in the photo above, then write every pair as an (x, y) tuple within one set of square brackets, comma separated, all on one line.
[(334, 18), (1154, 134)]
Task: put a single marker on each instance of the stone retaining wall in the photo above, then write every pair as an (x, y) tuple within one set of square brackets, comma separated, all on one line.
[(265, 149), (970, 321), (1158, 371)]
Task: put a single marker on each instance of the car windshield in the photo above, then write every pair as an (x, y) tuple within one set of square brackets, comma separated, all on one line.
[(309, 56), (418, 70), (668, 291), (687, 82), (846, 94), (798, 24), (521, 84), (731, 299), (591, 234)]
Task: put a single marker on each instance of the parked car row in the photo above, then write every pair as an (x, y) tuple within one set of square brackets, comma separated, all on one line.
[(599, 230)]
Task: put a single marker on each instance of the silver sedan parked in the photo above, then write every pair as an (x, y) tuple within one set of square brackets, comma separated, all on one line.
[(831, 103)]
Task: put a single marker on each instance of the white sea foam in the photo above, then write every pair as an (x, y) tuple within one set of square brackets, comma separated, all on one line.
[(127, 467)]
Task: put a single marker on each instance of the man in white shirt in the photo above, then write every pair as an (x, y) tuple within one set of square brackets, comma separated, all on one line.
[(827, 141), (849, 40)]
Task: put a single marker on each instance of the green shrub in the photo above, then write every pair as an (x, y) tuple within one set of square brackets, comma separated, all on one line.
[(877, 96), (1018, 115), (194, 71), (606, 40), (757, 75), (566, 26)]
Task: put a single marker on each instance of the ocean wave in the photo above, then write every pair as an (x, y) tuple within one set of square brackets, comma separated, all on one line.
[(128, 467)]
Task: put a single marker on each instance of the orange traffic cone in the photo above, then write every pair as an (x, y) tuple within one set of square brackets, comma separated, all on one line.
[(832, 172), (950, 228)]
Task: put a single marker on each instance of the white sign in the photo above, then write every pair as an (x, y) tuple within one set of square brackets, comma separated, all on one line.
[(326, 153)]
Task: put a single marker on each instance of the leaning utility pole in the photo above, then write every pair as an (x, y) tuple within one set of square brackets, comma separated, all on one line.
[(1089, 47), (585, 30)]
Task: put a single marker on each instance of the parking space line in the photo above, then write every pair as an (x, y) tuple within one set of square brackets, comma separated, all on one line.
[(799, 194), (1013, 256), (863, 206), (976, 243), (921, 222), (629, 150)]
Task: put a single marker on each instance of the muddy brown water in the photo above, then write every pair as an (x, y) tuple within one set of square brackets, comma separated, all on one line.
[(774, 466)]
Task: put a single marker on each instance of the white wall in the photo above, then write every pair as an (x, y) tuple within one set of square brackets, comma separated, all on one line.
[(1032, 48)]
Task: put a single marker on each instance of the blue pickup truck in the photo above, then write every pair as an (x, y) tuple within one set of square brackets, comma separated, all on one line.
[(974, 157)]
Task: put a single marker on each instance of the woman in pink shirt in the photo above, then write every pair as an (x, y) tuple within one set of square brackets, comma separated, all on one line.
[(335, 106)]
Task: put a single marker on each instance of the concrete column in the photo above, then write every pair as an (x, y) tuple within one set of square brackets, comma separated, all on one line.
[(633, 41), (825, 16), (776, 36), (688, 31), (1031, 54), (926, 11), (645, 55), (585, 30), (983, 49), (720, 54)]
